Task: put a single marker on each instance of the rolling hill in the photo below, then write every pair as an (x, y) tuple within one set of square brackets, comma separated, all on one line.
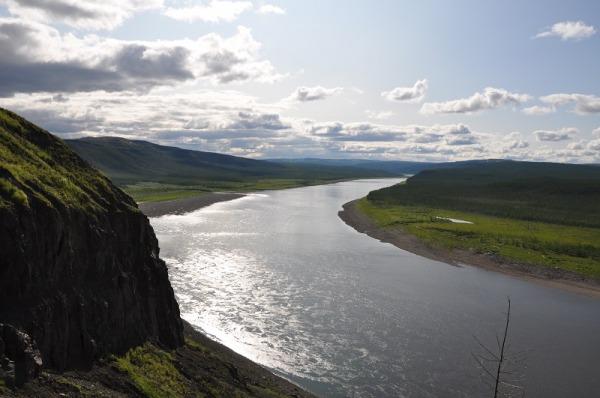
[(131, 161), (548, 192), (534, 218)]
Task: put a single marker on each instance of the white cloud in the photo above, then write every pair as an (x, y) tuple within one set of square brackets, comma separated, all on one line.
[(584, 104), (596, 132), (451, 134), (569, 30), (87, 15), (215, 11), (382, 115), (513, 142), (491, 98), (270, 9), (37, 57), (579, 145), (594, 145), (539, 110), (316, 93), (563, 134), (410, 94), (232, 122)]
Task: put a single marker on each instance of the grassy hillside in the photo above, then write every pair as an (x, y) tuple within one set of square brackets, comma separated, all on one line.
[(550, 192), (35, 163), (155, 172), (532, 213)]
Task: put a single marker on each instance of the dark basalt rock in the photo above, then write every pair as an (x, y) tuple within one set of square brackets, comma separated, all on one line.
[(80, 274), (20, 360)]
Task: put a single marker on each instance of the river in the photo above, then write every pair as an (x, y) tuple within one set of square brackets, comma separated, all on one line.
[(279, 278)]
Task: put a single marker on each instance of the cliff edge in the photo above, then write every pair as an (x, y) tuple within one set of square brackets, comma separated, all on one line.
[(80, 274)]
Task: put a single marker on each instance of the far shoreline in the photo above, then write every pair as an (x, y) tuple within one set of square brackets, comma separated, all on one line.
[(186, 205), (354, 218), (189, 204)]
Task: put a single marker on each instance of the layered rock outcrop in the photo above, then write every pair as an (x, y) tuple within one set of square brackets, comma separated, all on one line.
[(80, 273)]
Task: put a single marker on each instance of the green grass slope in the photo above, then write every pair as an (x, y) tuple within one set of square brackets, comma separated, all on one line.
[(34, 163), (542, 214), (549, 192)]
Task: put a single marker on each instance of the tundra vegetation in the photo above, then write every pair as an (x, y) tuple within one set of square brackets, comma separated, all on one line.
[(542, 214)]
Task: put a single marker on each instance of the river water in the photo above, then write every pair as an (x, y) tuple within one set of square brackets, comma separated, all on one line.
[(279, 278)]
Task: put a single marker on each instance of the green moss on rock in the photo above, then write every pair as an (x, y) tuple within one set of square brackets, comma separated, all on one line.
[(34, 164), (153, 372)]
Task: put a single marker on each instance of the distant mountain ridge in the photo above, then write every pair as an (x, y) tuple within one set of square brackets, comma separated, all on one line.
[(391, 166), (131, 161)]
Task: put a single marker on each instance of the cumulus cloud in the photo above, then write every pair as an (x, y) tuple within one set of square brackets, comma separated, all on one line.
[(569, 30), (563, 134), (88, 15), (39, 58), (222, 121), (594, 145), (270, 9), (584, 104), (214, 11), (411, 94), (490, 98), (513, 141), (316, 93), (596, 132), (232, 122), (452, 134), (538, 110), (579, 145)]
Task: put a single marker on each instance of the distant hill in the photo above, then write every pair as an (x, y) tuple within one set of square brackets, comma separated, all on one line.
[(132, 161), (396, 167), (550, 192)]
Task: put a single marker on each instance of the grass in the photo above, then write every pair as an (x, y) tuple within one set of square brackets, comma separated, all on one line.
[(157, 192), (567, 247), (194, 345), (566, 194), (152, 370), (34, 164)]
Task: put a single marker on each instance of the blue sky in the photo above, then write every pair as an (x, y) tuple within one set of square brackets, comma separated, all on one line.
[(427, 80)]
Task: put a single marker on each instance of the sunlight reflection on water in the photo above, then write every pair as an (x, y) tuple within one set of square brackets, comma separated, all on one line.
[(280, 279)]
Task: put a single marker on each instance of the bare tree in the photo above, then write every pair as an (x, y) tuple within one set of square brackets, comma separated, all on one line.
[(501, 370)]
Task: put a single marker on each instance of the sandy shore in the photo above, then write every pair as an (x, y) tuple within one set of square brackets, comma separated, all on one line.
[(399, 238), (180, 206)]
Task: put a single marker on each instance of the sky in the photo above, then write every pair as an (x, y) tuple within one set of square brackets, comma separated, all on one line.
[(389, 79)]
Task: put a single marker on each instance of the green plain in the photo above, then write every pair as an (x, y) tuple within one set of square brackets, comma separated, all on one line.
[(566, 247)]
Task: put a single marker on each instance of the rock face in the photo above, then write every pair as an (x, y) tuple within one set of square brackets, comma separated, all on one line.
[(20, 359), (80, 274)]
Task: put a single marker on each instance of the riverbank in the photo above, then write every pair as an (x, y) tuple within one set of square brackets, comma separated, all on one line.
[(186, 204), (397, 236), (181, 206), (145, 192), (201, 367)]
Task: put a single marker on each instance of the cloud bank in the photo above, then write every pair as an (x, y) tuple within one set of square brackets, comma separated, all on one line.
[(39, 58), (563, 134), (490, 98), (87, 15)]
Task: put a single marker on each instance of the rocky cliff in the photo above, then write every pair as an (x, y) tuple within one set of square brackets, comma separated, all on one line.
[(80, 275)]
